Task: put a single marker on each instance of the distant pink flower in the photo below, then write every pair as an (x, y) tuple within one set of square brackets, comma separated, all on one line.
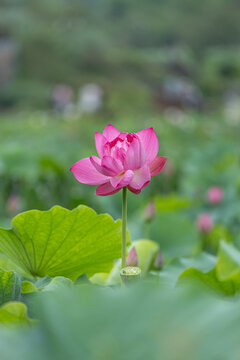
[(150, 211), (215, 195), (204, 222), (125, 160), (13, 204)]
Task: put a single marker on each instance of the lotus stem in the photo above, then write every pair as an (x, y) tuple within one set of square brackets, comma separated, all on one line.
[(124, 226)]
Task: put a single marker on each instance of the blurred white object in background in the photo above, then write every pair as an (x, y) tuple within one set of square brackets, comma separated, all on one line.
[(62, 98), (180, 93), (90, 98)]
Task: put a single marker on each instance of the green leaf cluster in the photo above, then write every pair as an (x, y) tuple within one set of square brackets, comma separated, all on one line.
[(224, 277)]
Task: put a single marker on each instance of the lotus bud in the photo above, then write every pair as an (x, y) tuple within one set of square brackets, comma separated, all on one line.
[(132, 258), (150, 212), (13, 204), (158, 262), (204, 223)]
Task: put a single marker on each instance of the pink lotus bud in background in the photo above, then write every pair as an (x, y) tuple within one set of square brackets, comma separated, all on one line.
[(132, 258), (125, 160), (215, 195), (13, 204), (205, 222), (150, 212), (158, 262)]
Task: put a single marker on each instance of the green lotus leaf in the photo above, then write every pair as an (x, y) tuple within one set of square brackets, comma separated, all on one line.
[(13, 312), (28, 287), (60, 242), (100, 278), (210, 280), (7, 264), (202, 261), (223, 277), (10, 286), (228, 264), (54, 284), (59, 282)]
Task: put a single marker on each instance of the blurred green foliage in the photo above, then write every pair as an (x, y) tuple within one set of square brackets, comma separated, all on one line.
[(128, 47), (134, 323)]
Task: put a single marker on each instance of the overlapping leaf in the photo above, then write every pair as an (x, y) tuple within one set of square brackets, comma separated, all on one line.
[(10, 286), (228, 265), (224, 277), (202, 262), (13, 312)]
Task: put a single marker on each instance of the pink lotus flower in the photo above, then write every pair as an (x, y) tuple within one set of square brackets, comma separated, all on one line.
[(204, 222), (215, 195), (125, 160)]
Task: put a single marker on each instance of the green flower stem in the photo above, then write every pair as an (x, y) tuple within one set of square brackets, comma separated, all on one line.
[(147, 229), (124, 226)]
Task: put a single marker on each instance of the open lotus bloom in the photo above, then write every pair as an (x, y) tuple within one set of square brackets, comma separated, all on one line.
[(125, 160)]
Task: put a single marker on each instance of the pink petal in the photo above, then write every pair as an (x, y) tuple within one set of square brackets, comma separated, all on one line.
[(141, 178), (122, 180), (112, 165), (149, 140), (85, 172), (107, 166), (119, 154), (110, 132), (106, 189), (133, 190), (122, 135), (157, 165), (135, 157), (100, 141), (97, 163)]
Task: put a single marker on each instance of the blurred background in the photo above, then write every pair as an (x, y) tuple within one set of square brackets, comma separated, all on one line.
[(70, 67)]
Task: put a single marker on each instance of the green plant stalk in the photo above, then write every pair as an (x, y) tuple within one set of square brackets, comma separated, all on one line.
[(147, 229), (124, 226)]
